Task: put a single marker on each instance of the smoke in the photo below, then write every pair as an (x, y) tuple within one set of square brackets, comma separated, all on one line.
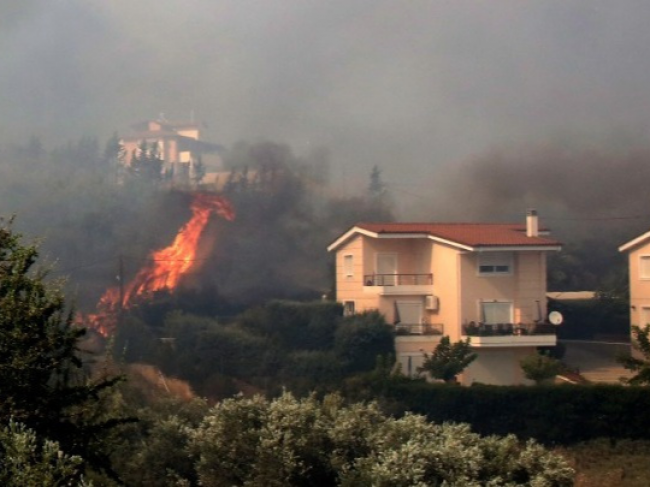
[(595, 190), (403, 85)]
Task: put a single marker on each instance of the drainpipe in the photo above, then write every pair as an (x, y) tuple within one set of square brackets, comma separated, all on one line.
[(532, 223)]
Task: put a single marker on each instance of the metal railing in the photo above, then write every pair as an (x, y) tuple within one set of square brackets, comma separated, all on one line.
[(398, 279), (507, 329), (421, 329)]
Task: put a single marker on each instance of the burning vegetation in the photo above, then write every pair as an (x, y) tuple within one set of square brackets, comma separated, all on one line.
[(166, 267)]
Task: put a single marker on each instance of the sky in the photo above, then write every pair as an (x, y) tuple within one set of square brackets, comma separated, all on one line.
[(409, 86)]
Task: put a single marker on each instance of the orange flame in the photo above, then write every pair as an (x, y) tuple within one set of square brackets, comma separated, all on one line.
[(166, 267)]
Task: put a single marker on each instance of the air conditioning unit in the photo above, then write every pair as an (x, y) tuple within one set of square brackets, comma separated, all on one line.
[(431, 303)]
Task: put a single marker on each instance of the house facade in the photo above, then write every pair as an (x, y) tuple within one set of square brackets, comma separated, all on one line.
[(638, 252), (482, 281), (177, 143)]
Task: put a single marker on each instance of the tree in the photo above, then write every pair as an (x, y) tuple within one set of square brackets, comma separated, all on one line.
[(26, 460), (376, 187), (448, 360), (361, 338), (299, 442), (639, 365), (540, 367), (42, 382), (197, 172), (146, 163)]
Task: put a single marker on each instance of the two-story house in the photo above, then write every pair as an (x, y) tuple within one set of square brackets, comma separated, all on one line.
[(178, 145), (477, 280)]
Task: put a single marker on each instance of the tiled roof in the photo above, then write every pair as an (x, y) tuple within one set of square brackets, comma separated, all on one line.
[(470, 234)]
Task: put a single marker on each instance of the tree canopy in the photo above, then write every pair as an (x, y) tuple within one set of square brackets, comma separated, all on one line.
[(43, 384), (448, 359)]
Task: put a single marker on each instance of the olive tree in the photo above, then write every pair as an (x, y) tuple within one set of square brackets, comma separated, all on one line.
[(303, 442)]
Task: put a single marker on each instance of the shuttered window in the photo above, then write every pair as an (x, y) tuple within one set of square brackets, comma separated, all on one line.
[(495, 313), (408, 312), (348, 265), (644, 267), (491, 263)]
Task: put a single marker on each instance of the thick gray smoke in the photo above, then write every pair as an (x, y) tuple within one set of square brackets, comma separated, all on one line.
[(595, 192), (404, 85)]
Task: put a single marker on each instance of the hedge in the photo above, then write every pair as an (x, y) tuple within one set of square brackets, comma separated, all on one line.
[(553, 415)]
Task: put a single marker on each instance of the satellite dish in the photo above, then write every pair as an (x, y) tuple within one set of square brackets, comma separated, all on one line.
[(555, 317)]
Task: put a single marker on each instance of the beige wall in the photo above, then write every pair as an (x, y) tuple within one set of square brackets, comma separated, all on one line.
[(350, 288), (499, 367), (414, 255), (531, 287), (192, 133), (446, 285), (524, 287)]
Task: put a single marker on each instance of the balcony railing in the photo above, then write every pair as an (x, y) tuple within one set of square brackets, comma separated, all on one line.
[(398, 279), (421, 329), (473, 329)]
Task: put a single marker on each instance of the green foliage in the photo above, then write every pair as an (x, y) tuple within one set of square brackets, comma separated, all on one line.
[(540, 367), (153, 452), (448, 360), (361, 338), (295, 325), (42, 383), (300, 442), (28, 461), (551, 414), (640, 366)]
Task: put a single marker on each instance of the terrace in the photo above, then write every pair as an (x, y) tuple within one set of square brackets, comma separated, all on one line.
[(537, 334), (395, 284)]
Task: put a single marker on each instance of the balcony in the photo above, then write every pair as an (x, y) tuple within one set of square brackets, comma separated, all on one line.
[(510, 335), (421, 329), (398, 284)]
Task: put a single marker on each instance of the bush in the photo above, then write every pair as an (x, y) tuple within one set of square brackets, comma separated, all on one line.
[(540, 367), (361, 338), (552, 414), (304, 442)]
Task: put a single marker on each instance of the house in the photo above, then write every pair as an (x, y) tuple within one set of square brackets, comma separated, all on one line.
[(177, 143), (486, 282), (638, 251)]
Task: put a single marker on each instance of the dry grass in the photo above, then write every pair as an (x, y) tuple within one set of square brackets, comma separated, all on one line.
[(602, 463)]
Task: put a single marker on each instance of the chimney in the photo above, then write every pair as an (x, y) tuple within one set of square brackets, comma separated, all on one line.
[(532, 223)]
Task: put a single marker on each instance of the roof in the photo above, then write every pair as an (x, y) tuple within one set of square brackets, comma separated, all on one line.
[(571, 295), (467, 236), (634, 242)]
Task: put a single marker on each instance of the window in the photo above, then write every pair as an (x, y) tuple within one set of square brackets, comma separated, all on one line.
[(494, 313), (408, 312), (644, 267), (495, 263), (348, 308), (348, 265)]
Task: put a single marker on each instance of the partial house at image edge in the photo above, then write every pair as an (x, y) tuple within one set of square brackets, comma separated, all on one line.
[(478, 280), (638, 251)]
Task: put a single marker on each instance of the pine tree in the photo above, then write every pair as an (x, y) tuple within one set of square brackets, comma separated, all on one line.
[(42, 382)]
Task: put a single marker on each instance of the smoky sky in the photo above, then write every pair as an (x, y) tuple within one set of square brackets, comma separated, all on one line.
[(408, 86)]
